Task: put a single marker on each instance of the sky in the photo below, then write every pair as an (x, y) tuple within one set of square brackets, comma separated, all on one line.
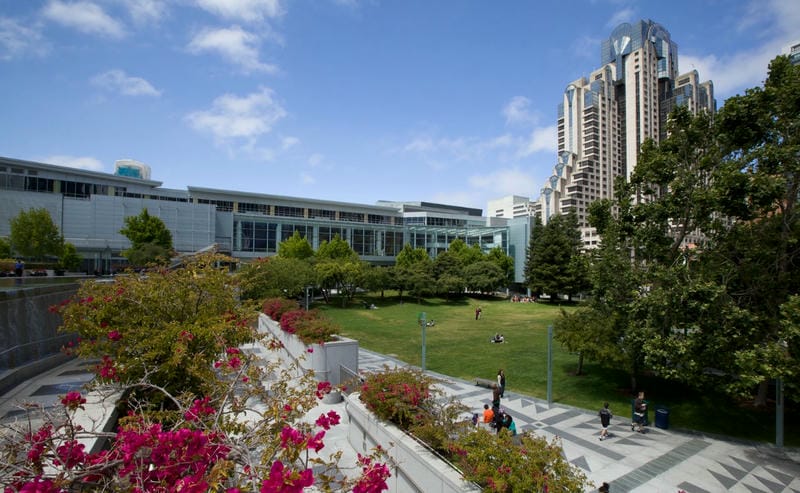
[(447, 101)]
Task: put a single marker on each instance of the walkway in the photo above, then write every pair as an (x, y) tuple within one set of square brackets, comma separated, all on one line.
[(657, 461)]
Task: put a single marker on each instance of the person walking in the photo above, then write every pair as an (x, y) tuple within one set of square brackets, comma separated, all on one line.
[(501, 381), (605, 420)]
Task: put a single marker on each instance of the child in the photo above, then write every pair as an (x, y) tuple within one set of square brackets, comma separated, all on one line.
[(605, 420)]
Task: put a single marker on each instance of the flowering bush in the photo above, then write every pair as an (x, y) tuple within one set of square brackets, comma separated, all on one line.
[(310, 326), (499, 464), (410, 399), (166, 327), (204, 413), (274, 308)]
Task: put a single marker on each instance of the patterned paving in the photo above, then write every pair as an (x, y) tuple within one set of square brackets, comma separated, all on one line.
[(656, 461)]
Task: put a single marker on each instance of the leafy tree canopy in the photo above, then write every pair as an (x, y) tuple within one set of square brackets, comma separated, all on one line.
[(35, 235), (296, 246)]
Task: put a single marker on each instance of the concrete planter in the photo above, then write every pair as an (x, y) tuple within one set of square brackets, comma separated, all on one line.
[(418, 469), (325, 360)]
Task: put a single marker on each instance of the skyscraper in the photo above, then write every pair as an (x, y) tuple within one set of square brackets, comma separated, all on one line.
[(603, 119)]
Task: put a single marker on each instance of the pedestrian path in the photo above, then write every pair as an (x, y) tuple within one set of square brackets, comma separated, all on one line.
[(656, 461)]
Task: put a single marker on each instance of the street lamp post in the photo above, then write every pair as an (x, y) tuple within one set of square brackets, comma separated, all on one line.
[(549, 365), (424, 323)]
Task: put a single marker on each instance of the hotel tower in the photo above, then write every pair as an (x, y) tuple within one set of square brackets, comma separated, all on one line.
[(604, 118)]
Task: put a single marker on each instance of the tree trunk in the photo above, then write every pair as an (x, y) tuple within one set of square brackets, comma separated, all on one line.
[(761, 396), (580, 364), (633, 383)]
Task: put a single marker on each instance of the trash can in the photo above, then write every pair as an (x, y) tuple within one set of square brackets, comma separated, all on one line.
[(662, 418)]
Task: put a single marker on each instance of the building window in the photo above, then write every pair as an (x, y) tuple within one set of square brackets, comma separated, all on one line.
[(284, 211), (353, 217)]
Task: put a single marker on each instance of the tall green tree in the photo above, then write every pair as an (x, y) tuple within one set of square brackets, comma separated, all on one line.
[(35, 235), (555, 267), (414, 272), (536, 231), (484, 276), (758, 184), (151, 241), (504, 262), (339, 268), (296, 246), (69, 258), (448, 271)]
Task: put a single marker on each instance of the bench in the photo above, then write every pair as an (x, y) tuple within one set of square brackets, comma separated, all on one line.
[(484, 382)]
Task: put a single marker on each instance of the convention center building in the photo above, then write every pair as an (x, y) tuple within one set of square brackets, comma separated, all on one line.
[(90, 207)]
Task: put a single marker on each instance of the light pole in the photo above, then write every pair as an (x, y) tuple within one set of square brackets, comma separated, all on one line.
[(549, 365), (308, 296), (424, 323)]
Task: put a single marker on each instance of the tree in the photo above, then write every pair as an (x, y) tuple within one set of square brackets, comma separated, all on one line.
[(276, 276), (5, 248), (530, 254), (70, 260), (413, 272), (448, 271), (35, 235), (296, 247), (554, 267), (759, 184), (150, 239), (505, 262), (338, 267), (484, 276)]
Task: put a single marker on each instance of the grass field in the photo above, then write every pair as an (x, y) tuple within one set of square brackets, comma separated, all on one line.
[(458, 345)]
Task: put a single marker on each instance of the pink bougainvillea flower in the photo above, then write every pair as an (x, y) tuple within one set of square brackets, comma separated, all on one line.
[(114, 335), (73, 400)]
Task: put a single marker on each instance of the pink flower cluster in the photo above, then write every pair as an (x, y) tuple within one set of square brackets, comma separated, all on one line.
[(281, 479), (294, 437), (374, 476), (106, 369), (200, 409), (73, 400)]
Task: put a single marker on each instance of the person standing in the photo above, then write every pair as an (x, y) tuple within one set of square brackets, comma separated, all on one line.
[(639, 413), (495, 397), (501, 381), (605, 420), (478, 313)]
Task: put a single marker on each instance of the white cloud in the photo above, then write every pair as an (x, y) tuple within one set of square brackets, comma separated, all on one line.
[(289, 142), (145, 12), (315, 159), (307, 179), (517, 111), (17, 40), (118, 81), (233, 117), (542, 139), (509, 181), (87, 163), (234, 44), (244, 10), (620, 16), (733, 73), (86, 17)]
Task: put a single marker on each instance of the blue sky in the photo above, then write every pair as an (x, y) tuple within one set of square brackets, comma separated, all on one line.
[(349, 100)]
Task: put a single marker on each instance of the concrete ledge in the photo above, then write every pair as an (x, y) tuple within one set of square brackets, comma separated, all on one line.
[(12, 377), (417, 469)]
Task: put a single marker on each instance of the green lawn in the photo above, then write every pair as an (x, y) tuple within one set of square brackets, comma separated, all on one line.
[(458, 345)]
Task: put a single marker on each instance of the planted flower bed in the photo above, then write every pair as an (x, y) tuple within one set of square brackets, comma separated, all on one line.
[(310, 339)]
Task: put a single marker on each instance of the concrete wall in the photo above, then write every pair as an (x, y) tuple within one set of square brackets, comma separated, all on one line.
[(29, 339), (417, 470), (323, 359)]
